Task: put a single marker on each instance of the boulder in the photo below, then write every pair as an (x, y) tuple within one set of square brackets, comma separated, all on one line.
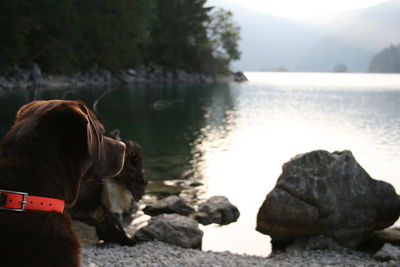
[(173, 229), (171, 204), (218, 210), (330, 194)]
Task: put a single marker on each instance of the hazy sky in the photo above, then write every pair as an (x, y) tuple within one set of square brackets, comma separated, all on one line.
[(302, 8)]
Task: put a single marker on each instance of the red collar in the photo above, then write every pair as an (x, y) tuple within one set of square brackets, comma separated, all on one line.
[(19, 201)]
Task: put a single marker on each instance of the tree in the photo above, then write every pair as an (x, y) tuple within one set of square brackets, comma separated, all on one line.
[(51, 34), (224, 36), (386, 61), (13, 28), (178, 33), (68, 35), (112, 32)]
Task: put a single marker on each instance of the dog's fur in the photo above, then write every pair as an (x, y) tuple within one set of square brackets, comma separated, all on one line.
[(52, 147)]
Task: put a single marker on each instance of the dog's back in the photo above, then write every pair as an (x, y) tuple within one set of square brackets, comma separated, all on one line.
[(34, 238)]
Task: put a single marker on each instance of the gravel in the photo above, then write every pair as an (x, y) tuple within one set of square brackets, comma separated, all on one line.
[(157, 254)]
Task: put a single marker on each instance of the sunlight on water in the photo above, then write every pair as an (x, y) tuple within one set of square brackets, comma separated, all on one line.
[(323, 81), (243, 146)]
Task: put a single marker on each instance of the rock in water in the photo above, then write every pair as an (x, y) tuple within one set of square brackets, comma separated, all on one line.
[(330, 194), (171, 204), (218, 210), (172, 229)]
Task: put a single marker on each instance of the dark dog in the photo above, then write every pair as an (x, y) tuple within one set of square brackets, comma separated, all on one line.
[(50, 149)]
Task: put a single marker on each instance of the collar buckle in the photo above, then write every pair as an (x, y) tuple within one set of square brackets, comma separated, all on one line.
[(23, 201)]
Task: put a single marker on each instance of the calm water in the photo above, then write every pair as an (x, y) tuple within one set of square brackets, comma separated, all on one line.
[(234, 138)]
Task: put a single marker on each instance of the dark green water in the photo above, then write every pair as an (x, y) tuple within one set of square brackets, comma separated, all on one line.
[(165, 119)]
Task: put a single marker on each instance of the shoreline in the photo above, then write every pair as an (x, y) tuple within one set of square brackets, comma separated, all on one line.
[(32, 77), (156, 253)]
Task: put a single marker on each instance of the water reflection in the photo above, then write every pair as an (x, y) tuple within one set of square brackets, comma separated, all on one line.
[(268, 123)]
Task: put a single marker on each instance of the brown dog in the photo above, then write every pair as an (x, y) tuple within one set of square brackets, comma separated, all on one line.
[(52, 146)]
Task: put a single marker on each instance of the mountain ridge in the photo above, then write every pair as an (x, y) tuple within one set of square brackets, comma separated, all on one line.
[(351, 38)]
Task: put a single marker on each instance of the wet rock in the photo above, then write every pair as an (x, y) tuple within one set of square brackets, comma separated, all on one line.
[(218, 210), (117, 198), (93, 76), (36, 75), (239, 77), (172, 229), (183, 76), (124, 77), (195, 184), (388, 253), (155, 75), (330, 194), (161, 105), (131, 72), (5, 84), (171, 204)]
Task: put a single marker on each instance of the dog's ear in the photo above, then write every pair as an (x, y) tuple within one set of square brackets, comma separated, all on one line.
[(94, 133), (65, 126)]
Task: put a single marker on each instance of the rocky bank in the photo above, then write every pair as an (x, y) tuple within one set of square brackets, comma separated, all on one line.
[(30, 75)]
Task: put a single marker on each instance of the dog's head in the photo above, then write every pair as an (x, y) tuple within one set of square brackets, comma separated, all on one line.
[(68, 133)]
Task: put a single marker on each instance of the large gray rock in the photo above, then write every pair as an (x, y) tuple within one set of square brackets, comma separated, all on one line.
[(172, 229), (171, 204), (330, 194), (218, 210)]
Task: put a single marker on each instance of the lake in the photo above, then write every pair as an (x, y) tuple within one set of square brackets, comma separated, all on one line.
[(234, 138)]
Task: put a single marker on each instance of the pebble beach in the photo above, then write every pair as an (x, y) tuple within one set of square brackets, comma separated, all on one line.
[(158, 254)]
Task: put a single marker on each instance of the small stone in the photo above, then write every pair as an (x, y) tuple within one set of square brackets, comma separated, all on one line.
[(388, 253), (171, 204), (172, 229), (219, 210)]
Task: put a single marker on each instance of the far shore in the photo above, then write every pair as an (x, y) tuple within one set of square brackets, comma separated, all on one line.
[(33, 77)]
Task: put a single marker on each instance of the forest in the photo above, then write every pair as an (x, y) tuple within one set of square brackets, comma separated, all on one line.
[(386, 61), (64, 36)]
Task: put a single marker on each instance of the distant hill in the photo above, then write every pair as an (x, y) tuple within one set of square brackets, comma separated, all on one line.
[(386, 61), (349, 38)]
